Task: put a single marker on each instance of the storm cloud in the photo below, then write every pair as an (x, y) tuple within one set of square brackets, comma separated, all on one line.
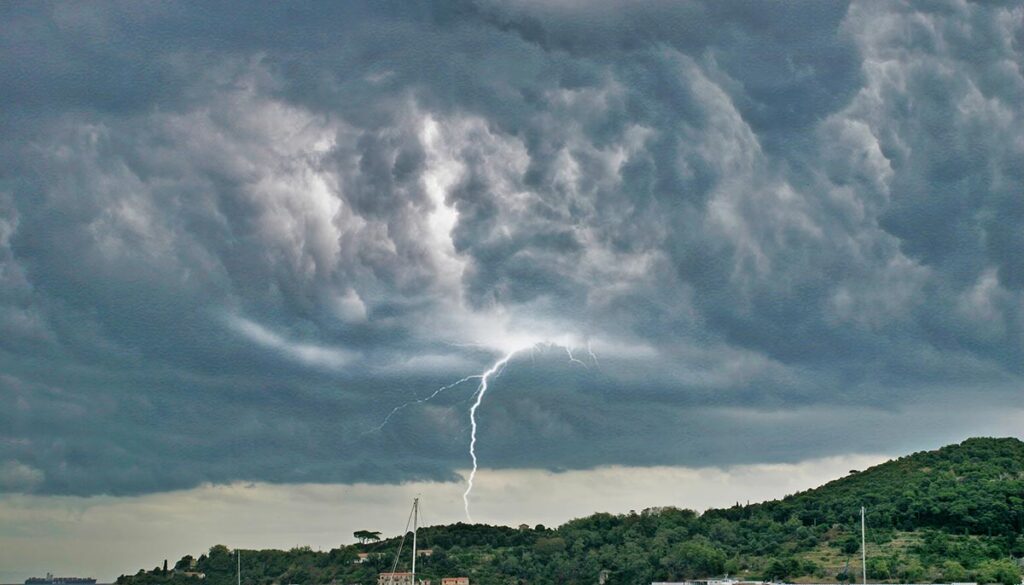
[(232, 242)]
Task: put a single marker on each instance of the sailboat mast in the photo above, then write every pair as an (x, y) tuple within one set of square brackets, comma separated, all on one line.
[(863, 547), (415, 525), (238, 568)]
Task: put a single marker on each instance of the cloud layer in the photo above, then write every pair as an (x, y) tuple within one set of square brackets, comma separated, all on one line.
[(231, 244)]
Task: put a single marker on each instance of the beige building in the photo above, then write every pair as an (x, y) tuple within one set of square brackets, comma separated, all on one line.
[(455, 581), (399, 579)]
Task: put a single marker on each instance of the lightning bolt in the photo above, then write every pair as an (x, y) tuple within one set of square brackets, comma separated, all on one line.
[(402, 407), (495, 369), (485, 379), (568, 351)]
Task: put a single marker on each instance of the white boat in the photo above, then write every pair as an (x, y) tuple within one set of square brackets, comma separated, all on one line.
[(405, 578)]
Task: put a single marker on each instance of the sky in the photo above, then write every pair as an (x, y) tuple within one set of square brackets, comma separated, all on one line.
[(726, 250)]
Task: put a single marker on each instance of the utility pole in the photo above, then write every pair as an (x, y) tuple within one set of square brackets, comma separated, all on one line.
[(863, 547)]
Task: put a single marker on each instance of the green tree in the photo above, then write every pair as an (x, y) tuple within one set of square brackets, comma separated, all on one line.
[(879, 568), (953, 572), (547, 546), (912, 571), (365, 536), (1002, 571), (694, 558)]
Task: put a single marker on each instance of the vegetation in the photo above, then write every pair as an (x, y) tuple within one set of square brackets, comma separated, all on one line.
[(955, 514), (365, 536)]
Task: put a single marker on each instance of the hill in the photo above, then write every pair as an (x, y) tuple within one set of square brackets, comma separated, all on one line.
[(954, 514)]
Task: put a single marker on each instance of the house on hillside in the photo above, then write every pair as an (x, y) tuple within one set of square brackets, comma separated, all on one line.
[(399, 579), (725, 581), (455, 581)]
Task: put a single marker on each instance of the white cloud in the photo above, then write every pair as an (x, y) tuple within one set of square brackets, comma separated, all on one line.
[(306, 353), (18, 477), (349, 307)]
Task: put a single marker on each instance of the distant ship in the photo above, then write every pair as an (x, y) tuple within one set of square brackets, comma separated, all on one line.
[(49, 579)]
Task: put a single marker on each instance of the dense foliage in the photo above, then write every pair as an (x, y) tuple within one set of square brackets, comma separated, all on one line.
[(955, 514), (976, 487)]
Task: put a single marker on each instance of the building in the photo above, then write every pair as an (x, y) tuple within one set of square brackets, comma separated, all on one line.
[(51, 580), (394, 579), (425, 552), (399, 579), (455, 581)]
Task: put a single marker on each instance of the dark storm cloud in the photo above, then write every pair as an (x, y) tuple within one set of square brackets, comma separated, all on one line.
[(231, 243)]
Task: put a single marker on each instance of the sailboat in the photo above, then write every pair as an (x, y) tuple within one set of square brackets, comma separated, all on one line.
[(394, 577)]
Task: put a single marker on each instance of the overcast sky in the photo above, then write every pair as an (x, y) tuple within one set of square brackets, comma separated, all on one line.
[(712, 236)]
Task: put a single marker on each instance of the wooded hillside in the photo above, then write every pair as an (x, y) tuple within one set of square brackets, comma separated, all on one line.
[(954, 514)]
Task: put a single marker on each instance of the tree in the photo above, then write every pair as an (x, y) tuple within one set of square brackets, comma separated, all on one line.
[(879, 568), (547, 546), (694, 558), (1002, 571), (953, 572), (912, 571), (365, 536), (851, 544)]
